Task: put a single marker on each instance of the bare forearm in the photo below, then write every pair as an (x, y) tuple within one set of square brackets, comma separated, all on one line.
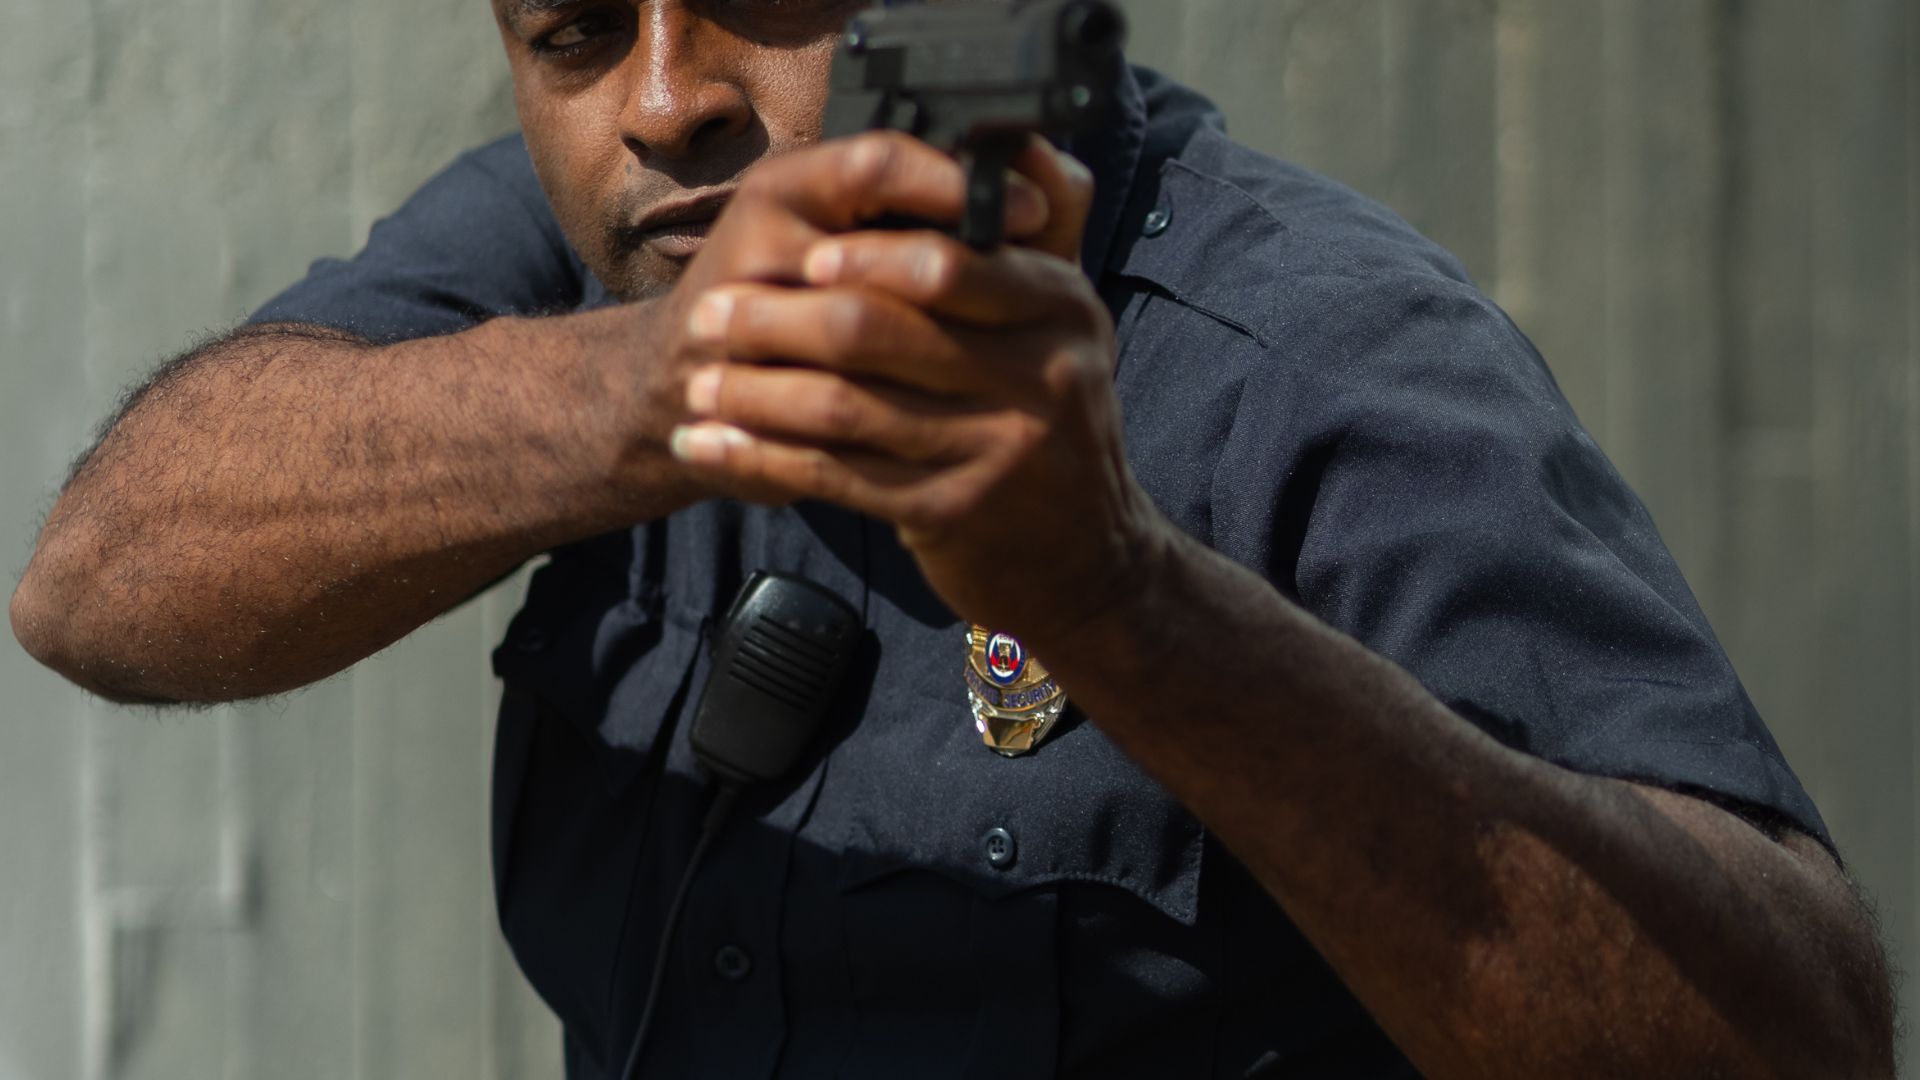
[(285, 504), (1498, 915)]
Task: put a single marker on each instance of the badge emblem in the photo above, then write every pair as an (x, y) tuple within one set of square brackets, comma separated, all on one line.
[(1015, 702), (1006, 659)]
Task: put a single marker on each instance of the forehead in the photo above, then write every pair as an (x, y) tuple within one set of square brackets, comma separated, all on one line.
[(541, 7), (531, 10)]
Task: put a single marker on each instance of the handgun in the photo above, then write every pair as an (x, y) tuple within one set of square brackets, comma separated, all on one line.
[(978, 80)]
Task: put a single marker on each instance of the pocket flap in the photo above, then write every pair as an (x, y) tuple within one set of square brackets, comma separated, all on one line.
[(608, 663), (1075, 810)]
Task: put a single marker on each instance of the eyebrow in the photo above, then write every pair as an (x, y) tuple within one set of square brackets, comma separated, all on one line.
[(517, 9)]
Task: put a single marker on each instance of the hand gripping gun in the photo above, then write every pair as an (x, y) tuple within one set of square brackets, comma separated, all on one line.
[(977, 80)]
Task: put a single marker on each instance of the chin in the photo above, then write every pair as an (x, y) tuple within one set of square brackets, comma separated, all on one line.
[(639, 275)]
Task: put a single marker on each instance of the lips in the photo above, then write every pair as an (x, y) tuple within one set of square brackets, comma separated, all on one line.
[(677, 229), (682, 241)]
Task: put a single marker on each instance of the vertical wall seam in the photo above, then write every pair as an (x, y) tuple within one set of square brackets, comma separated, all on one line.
[(1617, 439), (1912, 675), (1733, 152), (96, 989)]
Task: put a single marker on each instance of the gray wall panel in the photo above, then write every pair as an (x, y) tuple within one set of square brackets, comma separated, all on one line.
[(43, 400), (1861, 756)]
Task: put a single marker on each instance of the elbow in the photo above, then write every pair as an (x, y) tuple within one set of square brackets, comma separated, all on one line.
[(36, 619), (1863, 1026), (1874, 1024), (42, 614), (1851, 1028)]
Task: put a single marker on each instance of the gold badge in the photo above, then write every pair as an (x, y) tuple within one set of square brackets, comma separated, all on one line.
[(1015, 702)]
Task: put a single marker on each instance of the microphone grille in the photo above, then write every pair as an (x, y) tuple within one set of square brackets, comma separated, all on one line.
[(784, 665)]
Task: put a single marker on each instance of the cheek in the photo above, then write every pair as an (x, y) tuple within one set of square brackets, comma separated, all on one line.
[(577, 154), (790, 93)]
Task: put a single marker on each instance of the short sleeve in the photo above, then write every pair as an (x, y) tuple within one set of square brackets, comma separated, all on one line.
[(477, 242), (1440, 502)]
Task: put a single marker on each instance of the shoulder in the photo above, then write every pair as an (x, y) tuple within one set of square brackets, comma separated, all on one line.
[(1291, 259), (493, 183), (476, 241)]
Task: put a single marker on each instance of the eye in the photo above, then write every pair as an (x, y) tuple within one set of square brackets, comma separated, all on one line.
[(575, 37)]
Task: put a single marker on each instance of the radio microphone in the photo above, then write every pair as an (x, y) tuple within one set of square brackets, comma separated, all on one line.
[(781, 654)]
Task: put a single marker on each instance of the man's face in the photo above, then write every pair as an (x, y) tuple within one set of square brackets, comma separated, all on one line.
[(641, 115)]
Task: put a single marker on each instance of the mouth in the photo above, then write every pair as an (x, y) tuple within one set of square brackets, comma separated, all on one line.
[(677, 229), (681, 241)]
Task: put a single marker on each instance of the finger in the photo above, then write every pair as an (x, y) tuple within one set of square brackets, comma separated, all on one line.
[(801, 405), (1067, 185), (863, 333), (1009, 286), (843, 184), (766, 470)]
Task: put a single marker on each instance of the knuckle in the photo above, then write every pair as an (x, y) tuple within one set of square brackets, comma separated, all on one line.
[(1083, 371), (850, 323), (932, 508), (727, 399), (1068, 287), (1074, 371), (744, 459), (818, 475), (840, 410), (936, 270), (1025, 434), (923, 443), (1062, 375), (872, 156), (945, 505)]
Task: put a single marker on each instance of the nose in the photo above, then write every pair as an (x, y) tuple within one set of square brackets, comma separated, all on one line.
[(682, 95)]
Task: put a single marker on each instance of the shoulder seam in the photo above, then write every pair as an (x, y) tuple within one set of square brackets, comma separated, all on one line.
[(1261, 333), (1339, 253)]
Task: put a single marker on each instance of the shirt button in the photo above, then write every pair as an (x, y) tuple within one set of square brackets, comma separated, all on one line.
[(732, 963), (1000, 848), (1158, 221)]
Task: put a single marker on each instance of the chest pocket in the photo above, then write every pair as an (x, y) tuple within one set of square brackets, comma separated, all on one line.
[(601, 647), (974, 885)]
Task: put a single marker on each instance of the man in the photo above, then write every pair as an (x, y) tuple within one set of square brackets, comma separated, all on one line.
[(1398, 744)]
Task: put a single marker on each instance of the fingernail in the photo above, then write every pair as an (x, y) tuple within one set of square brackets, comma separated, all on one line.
[(703, 391), (705, 444), (698, 445), (1025, 196), (823, 263), (930, 269), (708, 323), (1073, 166)]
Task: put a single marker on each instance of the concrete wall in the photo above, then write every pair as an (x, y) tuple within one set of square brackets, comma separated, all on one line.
[(294, 889), (1706, 211)]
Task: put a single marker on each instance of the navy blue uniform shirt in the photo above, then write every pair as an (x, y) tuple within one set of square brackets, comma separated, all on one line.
[(1309, 387)]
